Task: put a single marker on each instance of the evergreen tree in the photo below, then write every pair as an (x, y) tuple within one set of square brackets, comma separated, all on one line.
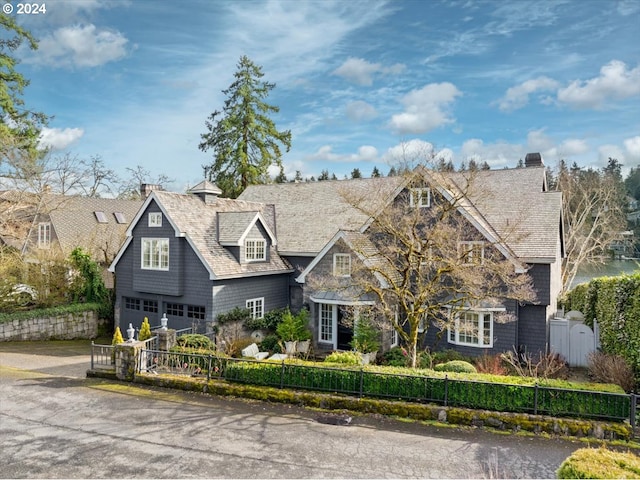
[(392, 172), (145, 330), (298, 178), (244, 139), (485, 166), (19, 126), (281, 177), (324, 175), (355, 173), (333, 176), (375, 173)]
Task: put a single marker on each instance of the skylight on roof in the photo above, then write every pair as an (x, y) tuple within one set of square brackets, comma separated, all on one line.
[(120, 218), (101, 217)]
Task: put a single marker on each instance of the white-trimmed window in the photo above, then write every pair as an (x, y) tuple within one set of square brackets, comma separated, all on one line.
[(255, 250), (341, 265), (155, 254), (472, 328), (471, 253), (327, 323), (420, 197), (256, 307), (155, 219), (44, 235), (395, 337)]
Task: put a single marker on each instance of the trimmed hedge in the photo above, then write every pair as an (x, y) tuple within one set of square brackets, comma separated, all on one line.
[(600, 463), (459, 366), (460, 393), (615, 303)]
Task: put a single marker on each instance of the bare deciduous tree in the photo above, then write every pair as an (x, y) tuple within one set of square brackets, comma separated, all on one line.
[(593, 214), (422, 258)]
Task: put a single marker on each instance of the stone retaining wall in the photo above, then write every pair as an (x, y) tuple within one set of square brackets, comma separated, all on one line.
[(69, 326)]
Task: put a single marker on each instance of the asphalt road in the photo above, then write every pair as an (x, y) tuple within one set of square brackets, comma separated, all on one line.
[(55, 423)]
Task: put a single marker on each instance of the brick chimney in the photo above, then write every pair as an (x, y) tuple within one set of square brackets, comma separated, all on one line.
[(147, 188)]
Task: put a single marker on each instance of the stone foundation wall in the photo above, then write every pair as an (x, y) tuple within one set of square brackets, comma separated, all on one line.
[(61, 327)]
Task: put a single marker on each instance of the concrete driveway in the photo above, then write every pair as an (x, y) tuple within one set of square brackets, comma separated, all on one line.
[(55, 423)]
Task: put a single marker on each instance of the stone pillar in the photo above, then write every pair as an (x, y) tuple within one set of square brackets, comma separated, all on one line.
[(166, 339), (127, 356)]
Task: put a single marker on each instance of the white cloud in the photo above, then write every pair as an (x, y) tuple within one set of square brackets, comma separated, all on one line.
[(628, 7), (360, 111), (518, 96), (615, 82), (366, 153), (499, 154), (538, 141), (610, 151), (360, 71), (632, 145), (59, 139), (425, 108), (80, 46)]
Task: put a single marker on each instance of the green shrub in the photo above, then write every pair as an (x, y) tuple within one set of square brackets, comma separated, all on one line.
[(294, 327), (445, 356), (395, 357), (269, 322), (117, 337), (236, 314), (271, 343), (145, 330), (600, 463), (365, 336), (195, 340), (425, 360), (346, 358), (459, 366)]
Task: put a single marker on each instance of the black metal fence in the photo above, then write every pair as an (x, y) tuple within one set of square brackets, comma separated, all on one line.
[(532, 399)]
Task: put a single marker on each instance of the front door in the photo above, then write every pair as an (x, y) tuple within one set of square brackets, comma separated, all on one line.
[(345, 332)]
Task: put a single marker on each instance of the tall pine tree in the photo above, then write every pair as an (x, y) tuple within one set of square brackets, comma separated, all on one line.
[(244, 139)]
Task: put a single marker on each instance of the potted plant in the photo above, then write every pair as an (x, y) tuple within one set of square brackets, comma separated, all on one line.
[(365, 339), (292, 329), (304, 335)]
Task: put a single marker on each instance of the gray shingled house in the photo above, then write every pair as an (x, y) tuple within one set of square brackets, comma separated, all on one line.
[(193, 256), (318, 228), (49, 226)]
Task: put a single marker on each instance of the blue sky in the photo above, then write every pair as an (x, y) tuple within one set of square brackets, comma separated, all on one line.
[(358, 83)]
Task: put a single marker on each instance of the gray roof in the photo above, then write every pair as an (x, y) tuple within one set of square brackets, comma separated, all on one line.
[(509, 203), (198, 222), (309, 214), (73, 219), (233, 225), (76, 225)]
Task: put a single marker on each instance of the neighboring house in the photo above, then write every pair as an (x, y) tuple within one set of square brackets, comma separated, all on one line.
[(318, 230), (193, 256), (50, 226)]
